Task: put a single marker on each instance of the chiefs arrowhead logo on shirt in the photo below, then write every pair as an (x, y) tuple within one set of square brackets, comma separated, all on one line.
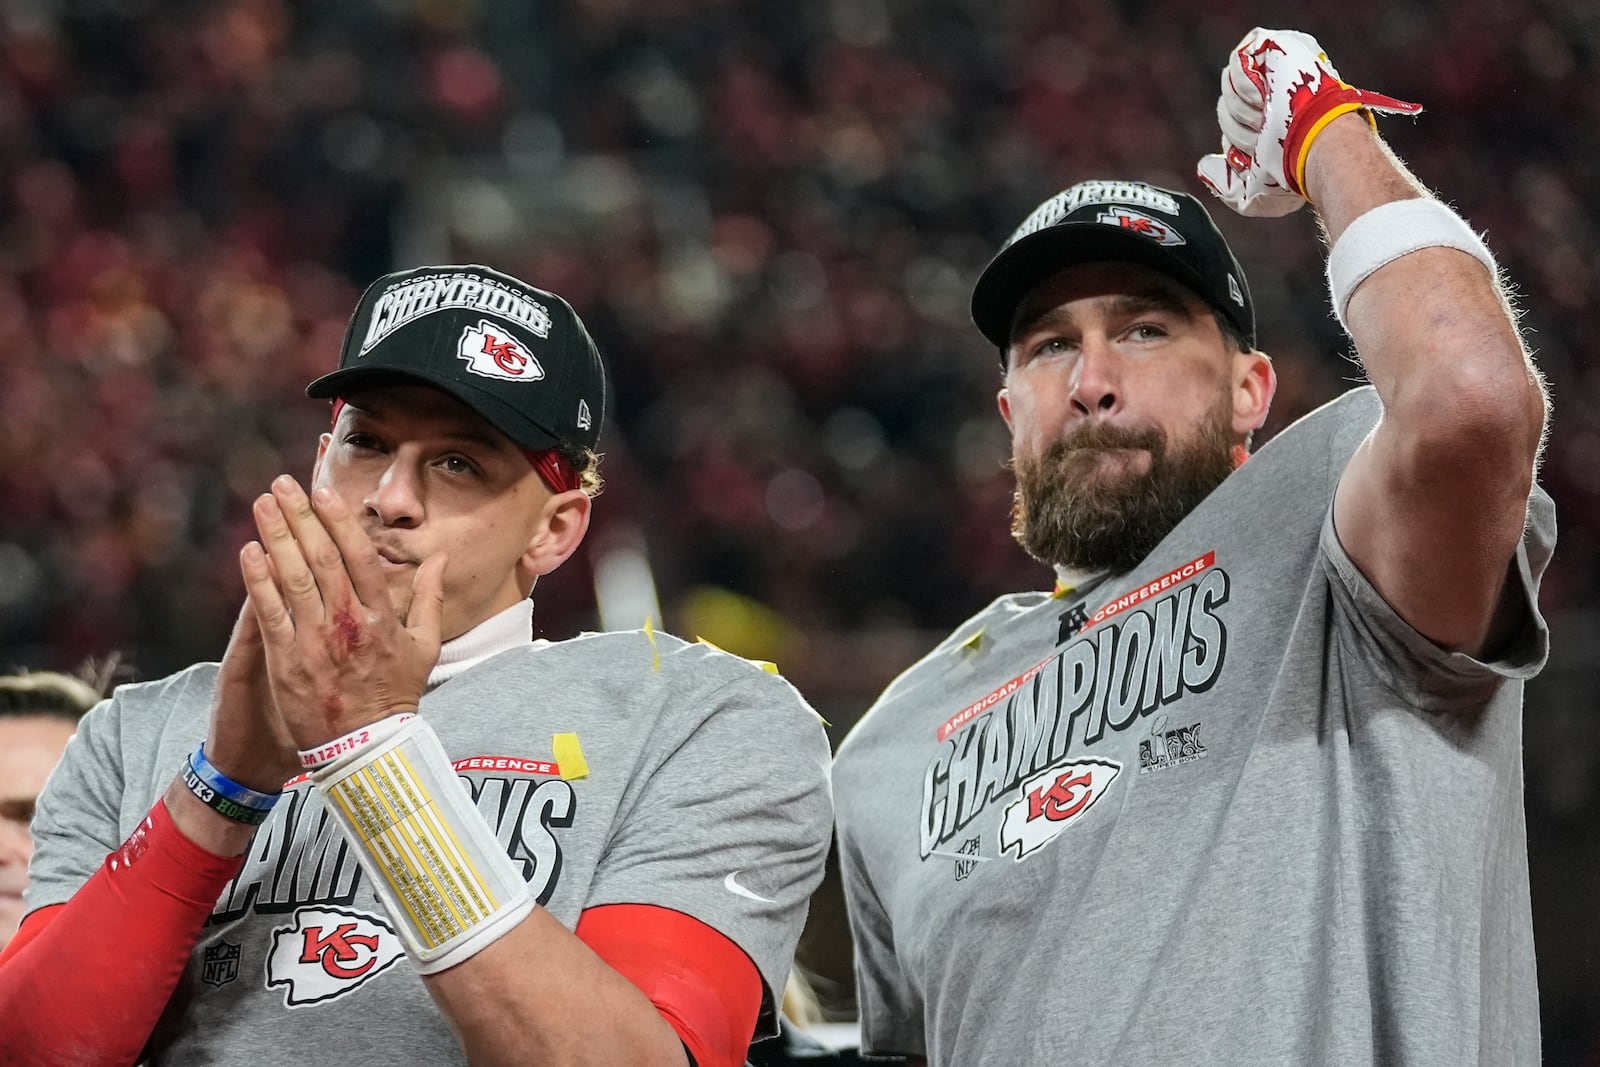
[(1051, 800), (328, 952)]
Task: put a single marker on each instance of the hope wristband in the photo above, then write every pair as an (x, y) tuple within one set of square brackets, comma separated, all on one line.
[(219, 802), (224, 786)]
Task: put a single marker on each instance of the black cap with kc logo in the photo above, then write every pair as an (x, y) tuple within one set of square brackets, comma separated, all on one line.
[(516, 355), (1123, 221)]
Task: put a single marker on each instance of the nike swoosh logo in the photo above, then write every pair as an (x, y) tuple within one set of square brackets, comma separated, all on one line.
[(732, 885)]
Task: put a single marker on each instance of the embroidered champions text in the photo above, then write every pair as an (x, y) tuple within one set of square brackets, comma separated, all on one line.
[(436, 292), (1067, 201), (1160, 642)]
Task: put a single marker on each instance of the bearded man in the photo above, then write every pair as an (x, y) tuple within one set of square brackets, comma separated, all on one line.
[(1246, 786)]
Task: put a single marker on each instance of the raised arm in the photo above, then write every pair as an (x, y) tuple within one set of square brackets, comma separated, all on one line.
[(1432, 506)]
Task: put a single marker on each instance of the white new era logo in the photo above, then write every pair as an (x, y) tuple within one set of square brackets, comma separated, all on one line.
[(492, 352), (583, 414)]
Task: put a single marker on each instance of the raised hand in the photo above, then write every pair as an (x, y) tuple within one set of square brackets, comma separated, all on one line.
[(248, 740), (1279, 90), (339, 654)]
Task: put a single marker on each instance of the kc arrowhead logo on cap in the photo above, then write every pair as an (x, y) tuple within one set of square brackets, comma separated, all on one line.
[(1142, 224), (491, 353), (517, 355), (1118, 221)]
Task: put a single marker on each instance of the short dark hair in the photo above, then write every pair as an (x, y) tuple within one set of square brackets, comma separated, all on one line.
[(47, 693), (1232, 336)]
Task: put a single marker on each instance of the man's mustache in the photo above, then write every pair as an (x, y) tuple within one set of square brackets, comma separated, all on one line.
[(1107, 437)]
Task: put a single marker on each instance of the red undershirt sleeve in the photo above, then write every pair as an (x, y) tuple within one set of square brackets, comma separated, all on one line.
[(85, 981), (700, 981), (31, 927)]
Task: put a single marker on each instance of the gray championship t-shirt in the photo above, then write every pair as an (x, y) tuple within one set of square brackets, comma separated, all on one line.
[(706, 792), (1225, 809)]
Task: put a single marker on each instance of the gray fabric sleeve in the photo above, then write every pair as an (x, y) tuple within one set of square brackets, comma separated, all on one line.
[(732, 825), (891, 1012), (1413, 667), (77, 821)]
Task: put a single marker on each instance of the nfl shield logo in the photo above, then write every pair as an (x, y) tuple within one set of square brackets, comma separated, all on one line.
[(221, 963)]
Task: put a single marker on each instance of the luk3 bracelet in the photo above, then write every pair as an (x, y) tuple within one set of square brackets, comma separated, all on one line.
[(223, 795)]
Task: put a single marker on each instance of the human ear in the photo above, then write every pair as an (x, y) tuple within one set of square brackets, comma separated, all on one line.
[(563, 521), (1254, 383)]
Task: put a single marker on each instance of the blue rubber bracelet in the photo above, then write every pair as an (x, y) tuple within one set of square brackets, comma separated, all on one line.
[(219, 803), (227, 787)]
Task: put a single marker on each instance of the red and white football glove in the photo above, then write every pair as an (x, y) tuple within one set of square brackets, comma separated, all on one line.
[(1278, 92)]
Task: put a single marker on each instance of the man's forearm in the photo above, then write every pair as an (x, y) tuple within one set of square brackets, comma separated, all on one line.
[(210, 830), (1437, 311), (1432, 507), (90, 986), (540, 995), (1351, 171)]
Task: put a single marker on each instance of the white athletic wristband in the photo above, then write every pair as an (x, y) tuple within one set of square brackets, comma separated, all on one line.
[(1390, 231), (330, 754), (443, 877)]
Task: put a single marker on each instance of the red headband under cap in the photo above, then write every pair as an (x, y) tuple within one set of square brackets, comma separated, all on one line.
[(556, 470)]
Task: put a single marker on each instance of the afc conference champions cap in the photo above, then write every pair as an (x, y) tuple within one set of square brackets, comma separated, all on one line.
[(1121, 221), (516, 355)]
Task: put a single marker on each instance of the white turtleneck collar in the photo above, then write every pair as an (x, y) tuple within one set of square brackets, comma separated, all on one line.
[(509, 629), (1070, 580)]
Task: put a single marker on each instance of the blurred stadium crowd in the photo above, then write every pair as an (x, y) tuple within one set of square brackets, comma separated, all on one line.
[(769, 214)]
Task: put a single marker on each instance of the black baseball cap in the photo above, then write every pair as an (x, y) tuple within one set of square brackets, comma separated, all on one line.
[(1123, 221), (516, 355)]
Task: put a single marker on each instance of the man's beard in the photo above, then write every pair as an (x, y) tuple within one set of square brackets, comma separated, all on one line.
[(1069, 511)]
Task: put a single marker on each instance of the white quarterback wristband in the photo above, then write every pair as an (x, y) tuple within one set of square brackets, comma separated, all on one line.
[(1390, 231), (443, 877), (330, 755)]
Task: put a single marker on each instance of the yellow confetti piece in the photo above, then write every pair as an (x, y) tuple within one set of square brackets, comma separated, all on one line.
[(569, 756), (765, 664), (1062, 589), (973, 643), (655, 653)]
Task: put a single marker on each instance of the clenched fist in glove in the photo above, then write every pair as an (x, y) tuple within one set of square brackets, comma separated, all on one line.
[(1278, 92)]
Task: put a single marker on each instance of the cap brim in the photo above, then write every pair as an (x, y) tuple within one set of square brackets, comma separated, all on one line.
[(1012, 274), (502, 416)]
